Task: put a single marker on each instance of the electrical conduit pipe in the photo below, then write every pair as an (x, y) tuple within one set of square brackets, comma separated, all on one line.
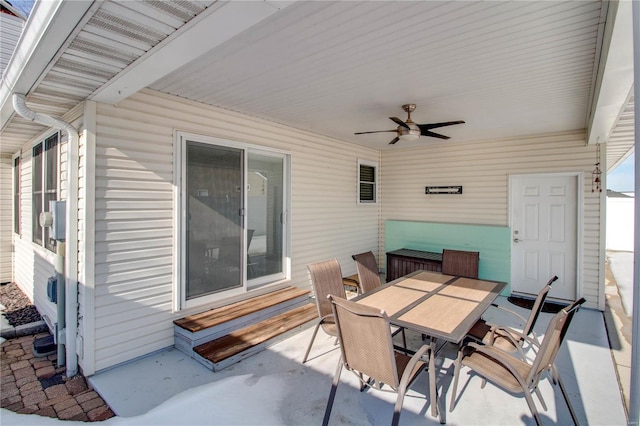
[(71, 257)]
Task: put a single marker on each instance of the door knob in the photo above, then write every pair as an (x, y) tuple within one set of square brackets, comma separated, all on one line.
[(516, 240)]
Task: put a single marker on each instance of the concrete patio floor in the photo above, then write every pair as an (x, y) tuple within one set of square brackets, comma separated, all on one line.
[(274, 387)]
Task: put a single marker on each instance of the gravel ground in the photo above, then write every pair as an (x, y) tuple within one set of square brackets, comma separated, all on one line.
[(18, 308)]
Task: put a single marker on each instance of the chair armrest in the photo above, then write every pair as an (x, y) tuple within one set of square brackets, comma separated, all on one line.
[(324, 318), (502, 308), (406, 375)]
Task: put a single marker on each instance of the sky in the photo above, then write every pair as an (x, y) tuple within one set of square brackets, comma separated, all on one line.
[(22, 5), (622, 178)]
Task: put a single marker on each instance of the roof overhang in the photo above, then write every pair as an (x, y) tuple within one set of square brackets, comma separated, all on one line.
[(615, 78), (50, 25), (206, 31)]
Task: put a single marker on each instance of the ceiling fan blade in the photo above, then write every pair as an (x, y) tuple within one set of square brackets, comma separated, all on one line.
[(424, 127), (434, 135), (394, 141), (399, 122), (376, 131)]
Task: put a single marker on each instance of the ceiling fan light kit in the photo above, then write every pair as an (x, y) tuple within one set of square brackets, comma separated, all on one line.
[(408, 131)]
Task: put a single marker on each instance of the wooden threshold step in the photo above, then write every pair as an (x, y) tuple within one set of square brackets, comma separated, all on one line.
[(227, 350), (217, 316)]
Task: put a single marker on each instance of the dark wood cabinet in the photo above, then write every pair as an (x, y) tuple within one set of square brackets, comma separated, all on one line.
[(403, 261)]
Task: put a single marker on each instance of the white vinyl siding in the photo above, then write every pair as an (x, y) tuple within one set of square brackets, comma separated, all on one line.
[(134, 226), (6, 218), (483, 169), (10, 29), (33, 264)]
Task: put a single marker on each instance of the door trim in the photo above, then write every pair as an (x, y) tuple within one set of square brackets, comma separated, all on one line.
[(579, 219), (179, 218)]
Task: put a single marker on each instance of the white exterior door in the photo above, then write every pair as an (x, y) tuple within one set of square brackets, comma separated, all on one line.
[(544, 218)]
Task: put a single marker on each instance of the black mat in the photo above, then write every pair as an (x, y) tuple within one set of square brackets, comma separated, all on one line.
[(549, 307)]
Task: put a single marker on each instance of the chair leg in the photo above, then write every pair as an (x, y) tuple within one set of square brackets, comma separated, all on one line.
[(456, 374), (532, 407), (332, 394), (544, 405), (566, 399), (398, 407), (306, 355)]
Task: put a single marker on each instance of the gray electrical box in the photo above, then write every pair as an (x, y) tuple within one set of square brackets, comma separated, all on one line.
[(58, 225)]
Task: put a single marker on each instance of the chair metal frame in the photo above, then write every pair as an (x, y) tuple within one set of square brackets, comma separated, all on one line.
[(369, 278), (367, 350), (520, 375), (367, 269), (493, 334), (326, 278)]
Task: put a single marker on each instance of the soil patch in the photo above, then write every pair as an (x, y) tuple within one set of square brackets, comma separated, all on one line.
[(18, 308)]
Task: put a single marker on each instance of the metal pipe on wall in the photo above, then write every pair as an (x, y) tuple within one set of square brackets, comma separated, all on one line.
[(71, 238)]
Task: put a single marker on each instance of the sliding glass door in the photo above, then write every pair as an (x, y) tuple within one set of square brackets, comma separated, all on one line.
[(214, 219), (233, 229), (265, 217)]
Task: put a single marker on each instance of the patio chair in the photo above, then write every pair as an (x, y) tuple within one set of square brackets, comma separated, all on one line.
[(367, 268), (496, 335), (460, 263), (367, 350), (369, 278), (326, 278), (516, 375)]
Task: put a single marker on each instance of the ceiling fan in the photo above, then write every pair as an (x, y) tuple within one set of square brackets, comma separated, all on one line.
[(410, 131)]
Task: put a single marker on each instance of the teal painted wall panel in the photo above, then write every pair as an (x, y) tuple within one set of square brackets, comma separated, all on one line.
[(493, 243)]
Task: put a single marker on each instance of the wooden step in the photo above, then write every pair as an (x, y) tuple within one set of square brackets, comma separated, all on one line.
[(213, 317), (197, 329), (240, 344)]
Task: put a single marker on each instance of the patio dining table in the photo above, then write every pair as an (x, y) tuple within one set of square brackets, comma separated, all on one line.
[(442, 307)]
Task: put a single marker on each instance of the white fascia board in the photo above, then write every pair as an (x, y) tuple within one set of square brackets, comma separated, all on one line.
[(617, 76), (48, 27), (206, 31)]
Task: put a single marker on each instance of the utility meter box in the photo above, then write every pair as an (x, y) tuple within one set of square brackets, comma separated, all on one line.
[(58, 225)]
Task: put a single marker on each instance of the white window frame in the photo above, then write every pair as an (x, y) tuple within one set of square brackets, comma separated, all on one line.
[(44, 233), (16, 193), (180, 170), (373, 164)]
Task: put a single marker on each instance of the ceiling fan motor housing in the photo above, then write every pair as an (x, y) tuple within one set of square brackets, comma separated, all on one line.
[(410, 134)]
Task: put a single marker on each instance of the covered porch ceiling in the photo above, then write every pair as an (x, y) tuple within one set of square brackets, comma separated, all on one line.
[(507, 69)]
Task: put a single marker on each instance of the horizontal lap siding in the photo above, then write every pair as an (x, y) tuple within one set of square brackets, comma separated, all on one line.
[(483, 169), (33, 263), (134, 217)]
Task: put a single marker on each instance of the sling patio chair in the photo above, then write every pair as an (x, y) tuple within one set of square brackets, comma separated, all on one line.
[(496, 335), (369, 278), (516, 375), (367, 350), (460, 263), (326, 278), (367, 268)]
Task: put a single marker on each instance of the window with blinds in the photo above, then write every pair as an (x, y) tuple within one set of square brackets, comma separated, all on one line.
[(367, 182)]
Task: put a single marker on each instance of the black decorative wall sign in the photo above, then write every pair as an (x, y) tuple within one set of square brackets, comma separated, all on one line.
[(443, 189)]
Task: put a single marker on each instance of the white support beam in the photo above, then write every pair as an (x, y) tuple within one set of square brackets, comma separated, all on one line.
[(634, 388), (615, 77), (210, 29)]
